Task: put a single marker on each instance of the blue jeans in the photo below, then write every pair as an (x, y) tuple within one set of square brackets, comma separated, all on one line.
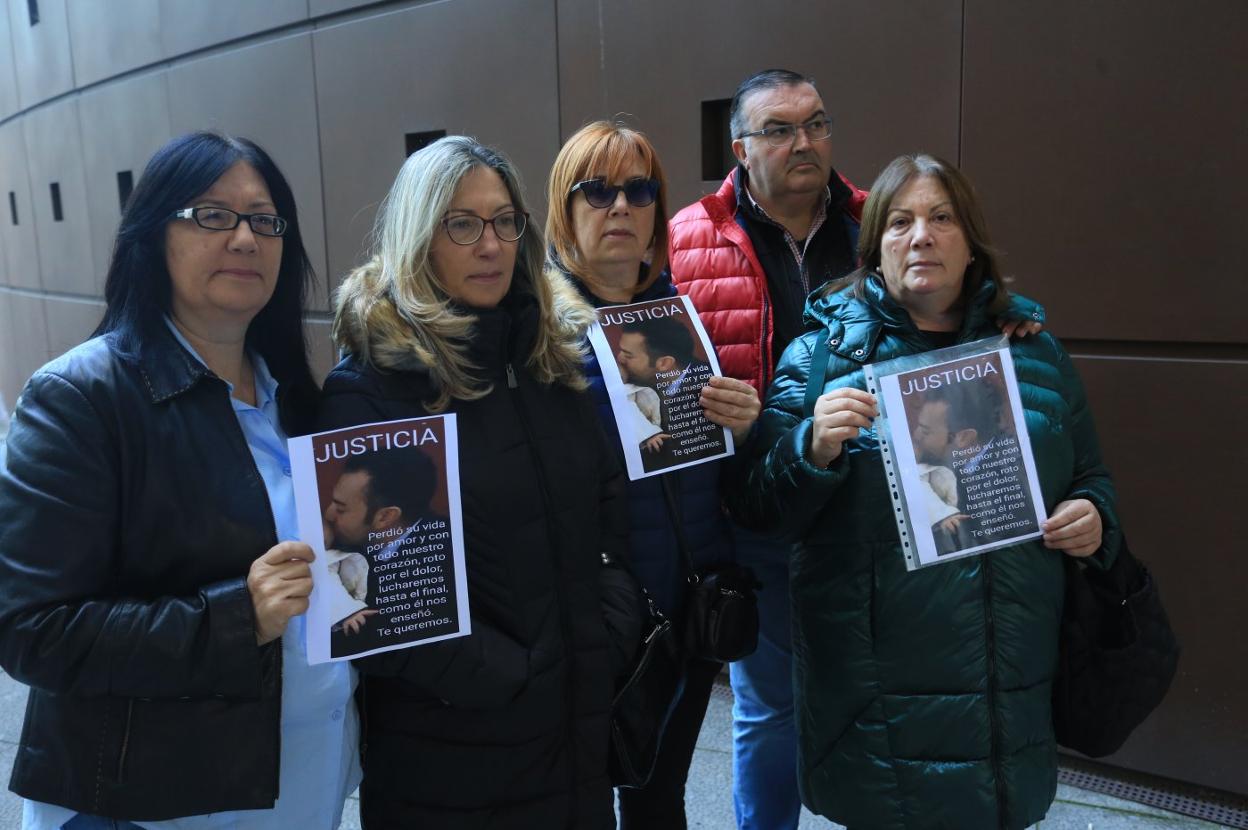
[(764, 739), (82, 821)]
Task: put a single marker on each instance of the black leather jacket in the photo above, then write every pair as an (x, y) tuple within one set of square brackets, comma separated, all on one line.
[(131, 511)]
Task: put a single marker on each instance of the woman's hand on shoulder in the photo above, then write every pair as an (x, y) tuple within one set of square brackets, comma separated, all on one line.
[(1019, 328), (838, 417), (280, 583), (731, 403), (1074, 528)]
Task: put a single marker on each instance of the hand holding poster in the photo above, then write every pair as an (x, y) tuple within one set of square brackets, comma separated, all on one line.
[(956, 450), (656, 359), (379, 504)]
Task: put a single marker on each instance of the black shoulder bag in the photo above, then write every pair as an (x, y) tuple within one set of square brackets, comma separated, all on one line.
[(721, 608), (644, 702), (1118, 655)]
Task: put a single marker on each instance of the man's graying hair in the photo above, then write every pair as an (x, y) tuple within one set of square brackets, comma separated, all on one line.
[(767, 79)]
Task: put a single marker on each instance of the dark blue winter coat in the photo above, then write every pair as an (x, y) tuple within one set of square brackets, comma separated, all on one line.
[(656, 557)]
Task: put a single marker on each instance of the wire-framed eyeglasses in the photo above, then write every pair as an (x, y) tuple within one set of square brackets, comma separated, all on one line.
[(467, 228), (779, 135)]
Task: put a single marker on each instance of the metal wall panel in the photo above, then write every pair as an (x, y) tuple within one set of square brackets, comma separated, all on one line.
[(187, 25), (8, 71), (888, 72), (321, 352), (21, 244), (70, 322), (41, 52), (28, 333), (54, 154), (1108, 140), (9, 383), (113, 37), (123, 124), (467, 66), (316, 8), (1179, 489), (236, 92)]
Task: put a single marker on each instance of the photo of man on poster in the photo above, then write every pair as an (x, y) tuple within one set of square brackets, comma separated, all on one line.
[(945, 423), (377, 493), (660, 353)]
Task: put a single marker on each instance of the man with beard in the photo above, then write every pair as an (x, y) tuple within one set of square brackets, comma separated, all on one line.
[(377, 494), (934, 440), (659, 353)]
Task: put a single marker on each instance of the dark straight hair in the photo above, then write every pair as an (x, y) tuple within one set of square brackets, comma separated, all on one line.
[(138, 290)]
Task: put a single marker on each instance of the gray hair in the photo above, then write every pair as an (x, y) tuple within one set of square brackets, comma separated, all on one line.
[(767, 79)]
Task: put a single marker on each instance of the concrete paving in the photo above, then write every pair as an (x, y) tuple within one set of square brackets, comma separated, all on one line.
[(709, 792)]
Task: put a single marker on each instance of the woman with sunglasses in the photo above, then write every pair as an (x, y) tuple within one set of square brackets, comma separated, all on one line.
[(507, 727), (151, 585), (607, 229)]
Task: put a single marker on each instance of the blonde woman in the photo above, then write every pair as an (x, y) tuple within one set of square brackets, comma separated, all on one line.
[(506, 727)]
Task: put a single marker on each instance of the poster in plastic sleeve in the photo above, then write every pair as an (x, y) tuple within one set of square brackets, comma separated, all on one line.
[(656, 359), (956, 453), (379, 504)]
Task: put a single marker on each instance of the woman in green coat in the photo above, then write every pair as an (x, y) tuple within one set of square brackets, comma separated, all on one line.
[(923, 697)]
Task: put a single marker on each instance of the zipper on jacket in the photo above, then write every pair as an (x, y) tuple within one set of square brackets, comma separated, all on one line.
[(564, 623), (766, 359), (994, 727), (125, 742)]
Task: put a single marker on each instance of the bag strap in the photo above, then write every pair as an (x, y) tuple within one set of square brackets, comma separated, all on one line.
[(673, 512), (820, 356)]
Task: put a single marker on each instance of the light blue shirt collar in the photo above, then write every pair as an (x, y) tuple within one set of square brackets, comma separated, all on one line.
[(266, 386)]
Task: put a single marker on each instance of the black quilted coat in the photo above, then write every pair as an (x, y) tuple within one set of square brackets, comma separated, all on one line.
[(505, 728)]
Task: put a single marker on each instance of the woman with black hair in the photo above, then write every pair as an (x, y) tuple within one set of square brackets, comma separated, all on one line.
[(150, 585)]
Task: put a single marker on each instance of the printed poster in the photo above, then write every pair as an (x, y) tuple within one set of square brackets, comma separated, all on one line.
[(379, 504), (656, 359), (956, 452)]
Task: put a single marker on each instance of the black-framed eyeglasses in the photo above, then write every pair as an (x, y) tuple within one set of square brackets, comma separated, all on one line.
[(467, 228), (778, 135), (224, 219), (639, 192)]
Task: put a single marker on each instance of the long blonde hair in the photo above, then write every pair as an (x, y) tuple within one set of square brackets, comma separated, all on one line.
[(393, 313)]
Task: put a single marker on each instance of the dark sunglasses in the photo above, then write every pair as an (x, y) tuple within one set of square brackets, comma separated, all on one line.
[(599, 194)]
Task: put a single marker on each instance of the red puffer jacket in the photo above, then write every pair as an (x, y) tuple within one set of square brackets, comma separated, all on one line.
[(712, 260)]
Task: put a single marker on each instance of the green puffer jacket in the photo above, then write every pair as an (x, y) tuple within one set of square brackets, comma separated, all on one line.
[(922, 698)]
